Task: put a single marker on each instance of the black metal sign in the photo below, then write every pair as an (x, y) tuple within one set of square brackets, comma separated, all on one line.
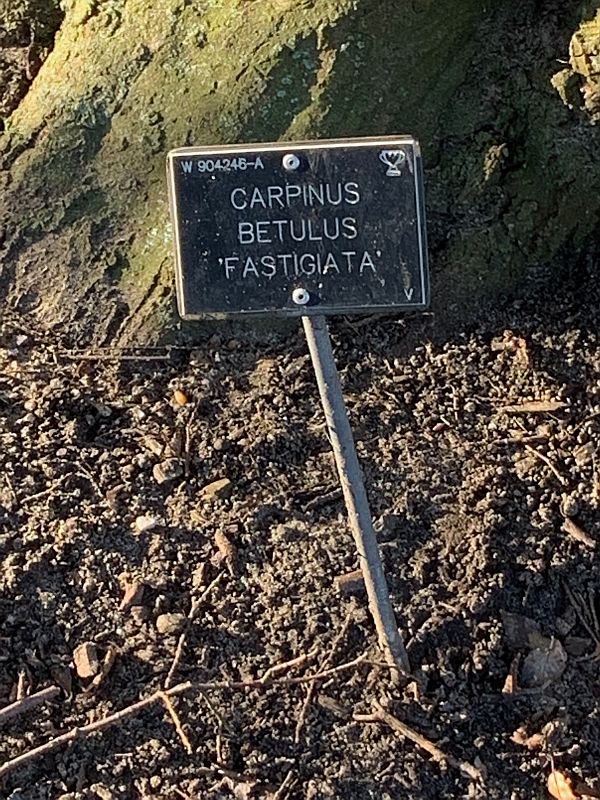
[(295, 229)]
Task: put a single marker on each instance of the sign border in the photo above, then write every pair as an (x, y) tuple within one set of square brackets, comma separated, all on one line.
[(316, 144)]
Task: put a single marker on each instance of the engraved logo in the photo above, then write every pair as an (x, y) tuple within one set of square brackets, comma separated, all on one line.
[(394, 161)]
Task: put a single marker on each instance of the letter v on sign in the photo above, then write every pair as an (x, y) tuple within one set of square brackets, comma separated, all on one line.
[(409, 293)]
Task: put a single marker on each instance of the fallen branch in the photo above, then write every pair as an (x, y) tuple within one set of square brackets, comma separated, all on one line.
[(159, 696), (27, 703), (382, 716)]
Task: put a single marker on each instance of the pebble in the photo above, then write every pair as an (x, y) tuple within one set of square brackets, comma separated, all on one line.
[(584, 454), (170, 624), (139, 614), (569, 507), (146, 522), (217, 490), (168, 470)]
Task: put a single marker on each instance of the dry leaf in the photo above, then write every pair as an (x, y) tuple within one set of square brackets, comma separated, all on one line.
[(522, 632), (544, 665), (533, 742), (227, 551), (511, 684), (560, 786), (535, 407), (180, 397), (584, 789)]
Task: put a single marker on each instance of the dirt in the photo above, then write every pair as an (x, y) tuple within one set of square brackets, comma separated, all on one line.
[(131, 480)]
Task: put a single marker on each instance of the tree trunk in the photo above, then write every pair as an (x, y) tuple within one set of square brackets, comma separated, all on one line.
[(511, 151)]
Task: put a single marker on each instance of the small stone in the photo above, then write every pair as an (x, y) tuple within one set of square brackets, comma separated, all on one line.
[(153, 445), (146, 522), (584, 454), (168, 470), (102, 792), (139, 614), (85, 658), (217, 490), (569, 507), (170, 624)]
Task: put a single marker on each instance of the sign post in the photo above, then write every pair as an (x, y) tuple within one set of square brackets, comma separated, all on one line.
[(306, 230)]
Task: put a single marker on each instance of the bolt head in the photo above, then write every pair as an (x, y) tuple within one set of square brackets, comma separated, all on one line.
[(300, 297), (291, 162)]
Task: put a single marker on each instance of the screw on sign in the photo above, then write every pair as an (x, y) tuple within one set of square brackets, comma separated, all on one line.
[(307, 229)]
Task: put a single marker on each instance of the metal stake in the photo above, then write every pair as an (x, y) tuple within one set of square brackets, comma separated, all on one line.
[(357, 504)]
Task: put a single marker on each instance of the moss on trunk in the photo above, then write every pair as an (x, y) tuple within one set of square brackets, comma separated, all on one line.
[(85, 227)]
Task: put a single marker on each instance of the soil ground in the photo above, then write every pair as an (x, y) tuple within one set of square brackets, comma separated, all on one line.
[(470, 487)]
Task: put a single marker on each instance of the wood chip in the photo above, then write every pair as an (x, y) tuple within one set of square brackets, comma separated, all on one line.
[(85, 659), (572, 529), (132, 594), (351, 583), (146, 522), (534, 407), (217, 490)]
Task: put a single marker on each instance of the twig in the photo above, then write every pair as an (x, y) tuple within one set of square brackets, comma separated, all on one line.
[(189, 438), (288, 783), (21, 686), (383, 716), (49, 490), (312, 686), (548, 463), (27, 703), (299, 661), (181, 688), (571, 528), (194, 608), (176, 722), (323, 500)]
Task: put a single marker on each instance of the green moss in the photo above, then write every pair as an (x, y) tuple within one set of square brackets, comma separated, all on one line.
[(510, 170)]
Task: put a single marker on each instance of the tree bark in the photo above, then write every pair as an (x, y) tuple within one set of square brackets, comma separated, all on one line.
[(510, 148)]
